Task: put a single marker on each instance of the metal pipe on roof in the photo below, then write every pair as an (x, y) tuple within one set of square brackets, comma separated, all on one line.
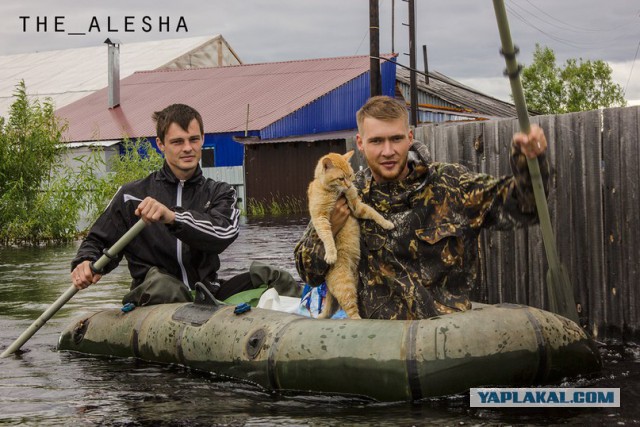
[(393, 26), (426, 64), (114, 72)]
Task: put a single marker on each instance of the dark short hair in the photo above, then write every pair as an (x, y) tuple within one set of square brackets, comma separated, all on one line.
[(180, 114)]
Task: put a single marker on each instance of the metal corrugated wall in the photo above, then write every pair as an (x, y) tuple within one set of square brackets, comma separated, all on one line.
[(430, 116), (334, 111), (227, 151)]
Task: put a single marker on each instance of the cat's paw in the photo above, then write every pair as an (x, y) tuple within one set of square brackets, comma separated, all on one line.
[(331, 255), (387, 225)]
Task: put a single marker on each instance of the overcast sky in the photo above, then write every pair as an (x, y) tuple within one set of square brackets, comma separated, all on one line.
[(461, 35)]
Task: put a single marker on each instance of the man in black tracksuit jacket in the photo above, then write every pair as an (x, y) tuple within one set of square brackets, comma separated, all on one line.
[(190, 220)]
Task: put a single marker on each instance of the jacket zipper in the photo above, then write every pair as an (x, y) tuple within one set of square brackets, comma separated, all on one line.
[(185, 279)]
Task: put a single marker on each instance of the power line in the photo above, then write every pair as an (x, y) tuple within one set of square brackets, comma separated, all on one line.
[(440, 79), (632, 64), (551, 36), (571, 43), (568, 26)]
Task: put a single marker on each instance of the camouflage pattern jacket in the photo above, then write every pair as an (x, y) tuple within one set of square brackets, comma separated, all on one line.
[(429, 262)]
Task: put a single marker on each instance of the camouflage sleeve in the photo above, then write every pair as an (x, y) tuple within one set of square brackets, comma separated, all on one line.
[(506, 202), (309, 256)]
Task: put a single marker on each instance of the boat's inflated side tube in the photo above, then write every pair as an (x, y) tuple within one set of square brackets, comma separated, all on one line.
[(507, 345)]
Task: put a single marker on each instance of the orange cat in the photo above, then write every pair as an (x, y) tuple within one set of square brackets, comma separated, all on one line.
[(334, 178)]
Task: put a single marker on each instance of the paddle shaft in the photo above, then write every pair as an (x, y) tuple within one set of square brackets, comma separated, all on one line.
[(561, 300), (69, 293)]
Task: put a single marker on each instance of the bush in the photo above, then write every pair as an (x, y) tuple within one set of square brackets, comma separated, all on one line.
[(35, 194), (41, 197), (138, 158)]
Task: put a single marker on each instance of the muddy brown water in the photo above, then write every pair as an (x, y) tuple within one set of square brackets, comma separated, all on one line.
[(42, 386)]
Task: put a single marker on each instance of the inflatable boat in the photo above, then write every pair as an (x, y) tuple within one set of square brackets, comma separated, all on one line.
[(385, 360)]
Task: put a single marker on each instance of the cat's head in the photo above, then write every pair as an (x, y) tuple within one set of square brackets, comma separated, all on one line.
[(334, 170)]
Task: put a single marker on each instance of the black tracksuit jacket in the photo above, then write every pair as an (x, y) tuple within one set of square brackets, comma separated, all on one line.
[(206, 224)]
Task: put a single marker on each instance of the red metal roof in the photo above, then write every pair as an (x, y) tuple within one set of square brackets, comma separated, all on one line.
[(220, 94)]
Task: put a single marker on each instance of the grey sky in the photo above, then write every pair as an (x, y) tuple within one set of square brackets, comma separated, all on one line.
[(461, 35)]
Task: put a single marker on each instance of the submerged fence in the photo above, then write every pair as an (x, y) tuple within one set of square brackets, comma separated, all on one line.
[(594, 188)]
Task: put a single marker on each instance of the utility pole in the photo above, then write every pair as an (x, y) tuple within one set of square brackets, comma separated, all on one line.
[(374, 50), (412, 64)]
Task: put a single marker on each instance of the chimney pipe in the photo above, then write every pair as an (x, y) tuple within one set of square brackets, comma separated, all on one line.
[(114, 72)]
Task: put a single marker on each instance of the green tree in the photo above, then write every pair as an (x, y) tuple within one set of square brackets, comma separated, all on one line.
[(138, 158), (32, 207), (578, 86), (42, 197)]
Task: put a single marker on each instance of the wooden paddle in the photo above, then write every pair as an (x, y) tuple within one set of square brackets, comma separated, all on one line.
[(559, 289), (69, 293)]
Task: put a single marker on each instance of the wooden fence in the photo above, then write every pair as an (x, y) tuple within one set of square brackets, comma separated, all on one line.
[(593, 201)]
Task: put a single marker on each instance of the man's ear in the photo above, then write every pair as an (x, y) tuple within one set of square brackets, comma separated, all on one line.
[(160, 144), (410, 137), (359, 142)]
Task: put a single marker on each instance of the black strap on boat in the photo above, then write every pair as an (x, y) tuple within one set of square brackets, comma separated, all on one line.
[(413, 374), (543, 354), (179, 350), (136, 335), (273, 352)]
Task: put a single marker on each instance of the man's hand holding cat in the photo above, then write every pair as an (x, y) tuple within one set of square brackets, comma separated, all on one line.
[(339, 215)]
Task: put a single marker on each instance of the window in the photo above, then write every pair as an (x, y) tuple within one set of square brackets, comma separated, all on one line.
[(208, 157)]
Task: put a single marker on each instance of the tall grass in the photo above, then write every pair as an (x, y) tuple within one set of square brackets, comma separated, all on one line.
[(275, 206)]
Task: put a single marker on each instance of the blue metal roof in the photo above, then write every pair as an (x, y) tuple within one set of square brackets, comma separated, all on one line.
[(334, 111)]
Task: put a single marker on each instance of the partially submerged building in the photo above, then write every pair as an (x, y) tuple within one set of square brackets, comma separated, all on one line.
[(68, 75), (312, 100), (266, 125)]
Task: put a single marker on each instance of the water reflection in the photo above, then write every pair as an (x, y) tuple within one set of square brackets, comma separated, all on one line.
[(42, 386)]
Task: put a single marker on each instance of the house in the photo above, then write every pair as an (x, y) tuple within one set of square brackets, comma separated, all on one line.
[(266, 125), (444, 99), (257, 102), (68, 75), (441, 100)]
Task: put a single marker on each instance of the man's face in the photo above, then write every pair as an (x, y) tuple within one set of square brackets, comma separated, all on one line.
[(182, 149), (385, 145)]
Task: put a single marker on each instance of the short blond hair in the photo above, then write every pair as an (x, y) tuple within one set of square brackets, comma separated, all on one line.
[(382, 108)]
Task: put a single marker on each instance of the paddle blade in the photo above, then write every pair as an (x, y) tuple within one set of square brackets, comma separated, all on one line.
[(560, 293)]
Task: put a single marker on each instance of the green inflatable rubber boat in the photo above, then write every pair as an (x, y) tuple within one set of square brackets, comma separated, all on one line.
[(387, 360)]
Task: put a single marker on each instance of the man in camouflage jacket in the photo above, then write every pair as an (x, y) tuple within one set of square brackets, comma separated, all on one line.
[(428, 263)]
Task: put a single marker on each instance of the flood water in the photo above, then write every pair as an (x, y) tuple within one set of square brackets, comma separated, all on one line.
[(42, 386)]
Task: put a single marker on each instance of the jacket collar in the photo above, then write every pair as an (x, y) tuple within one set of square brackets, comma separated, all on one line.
[(166, 174)]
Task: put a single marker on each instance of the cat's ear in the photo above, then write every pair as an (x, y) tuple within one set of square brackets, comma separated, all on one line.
[(327, 163), (348, 155)]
